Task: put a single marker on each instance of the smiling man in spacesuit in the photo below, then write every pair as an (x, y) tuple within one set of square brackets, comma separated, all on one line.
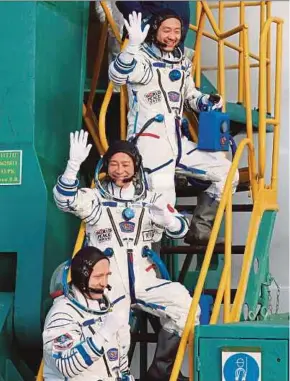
[(160, 86), (123, 219), (82, 334)]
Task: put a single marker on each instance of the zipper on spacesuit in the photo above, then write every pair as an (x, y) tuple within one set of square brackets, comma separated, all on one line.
[(180, 91), (107, 366), (179, 146), (163, 91), (139, 226), (114, 227), (130, 262)]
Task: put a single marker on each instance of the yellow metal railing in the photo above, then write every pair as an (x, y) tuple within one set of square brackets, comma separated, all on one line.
[(219, 37), (224, 286), (265, 198), (263, 100)]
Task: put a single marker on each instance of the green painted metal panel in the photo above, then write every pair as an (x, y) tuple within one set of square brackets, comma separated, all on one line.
[(41, 91), (277, 327), (61, 31), (24, 206), (259, 272), (237, 113), (6, 307), (274, 358), (270, 336)]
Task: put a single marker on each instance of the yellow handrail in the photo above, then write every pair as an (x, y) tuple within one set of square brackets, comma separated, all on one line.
[(241, 59), (263, 100), (98, 64), (236, 4), (268, 15), (221, 56), (111, 22), (189, 326), (227, 43), (92, 128), (102, 117)]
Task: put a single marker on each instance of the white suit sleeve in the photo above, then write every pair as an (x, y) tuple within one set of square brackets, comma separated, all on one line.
[(130, 66), (65, 345), (193, 97), (83, 202), (166, 216)]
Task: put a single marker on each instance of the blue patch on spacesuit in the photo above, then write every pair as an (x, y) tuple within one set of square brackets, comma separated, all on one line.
[(173, 96), (112, 354), (174, 75), (127, 226), (63, 342)]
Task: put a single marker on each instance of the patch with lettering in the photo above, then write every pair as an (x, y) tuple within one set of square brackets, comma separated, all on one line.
[(112, 354), (104, 235), (63, 342), (153, 97), (148, 235), (173, 96), (127, 226)]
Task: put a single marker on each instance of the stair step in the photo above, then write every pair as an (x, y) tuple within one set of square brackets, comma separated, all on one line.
[(236, 208), (190, 191), (199, 249)]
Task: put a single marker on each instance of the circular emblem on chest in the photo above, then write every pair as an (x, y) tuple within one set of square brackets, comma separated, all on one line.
[(174, 75)]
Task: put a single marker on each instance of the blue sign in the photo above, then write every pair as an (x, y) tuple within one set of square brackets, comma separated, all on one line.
[(241, 367)]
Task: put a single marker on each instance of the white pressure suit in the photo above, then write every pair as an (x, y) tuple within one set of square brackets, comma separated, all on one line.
[(123, 222), (78, 345), (160, 86), (134, 279)]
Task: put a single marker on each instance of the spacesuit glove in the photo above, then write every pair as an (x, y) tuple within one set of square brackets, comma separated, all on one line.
[(136, 34), (161, 216), (79, 151), (212, 99), (110, 326), (217, 101)]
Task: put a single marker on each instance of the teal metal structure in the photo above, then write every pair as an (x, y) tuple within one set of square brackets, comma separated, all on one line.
[(270, 338), (42, 71)]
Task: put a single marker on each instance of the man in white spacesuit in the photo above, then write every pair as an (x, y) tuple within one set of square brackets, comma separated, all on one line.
[(123, 219), (82, 333), (160, 86)]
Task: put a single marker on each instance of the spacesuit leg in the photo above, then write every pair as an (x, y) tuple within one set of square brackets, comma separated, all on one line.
[(121, 305), (216, 167), (159, 164), (171, 302)]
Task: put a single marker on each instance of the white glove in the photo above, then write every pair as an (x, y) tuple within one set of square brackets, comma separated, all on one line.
[(161, 216), (110, 326), (214, 99), (136, 35), (79, 151)]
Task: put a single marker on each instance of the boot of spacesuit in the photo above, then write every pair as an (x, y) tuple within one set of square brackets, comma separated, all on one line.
[(163, 361), (202, 220)]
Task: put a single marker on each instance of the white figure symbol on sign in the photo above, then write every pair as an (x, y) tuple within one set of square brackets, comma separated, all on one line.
[(241, 369)]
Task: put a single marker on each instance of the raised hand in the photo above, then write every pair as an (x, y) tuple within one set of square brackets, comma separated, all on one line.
[(79, 149), (134, 27)]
